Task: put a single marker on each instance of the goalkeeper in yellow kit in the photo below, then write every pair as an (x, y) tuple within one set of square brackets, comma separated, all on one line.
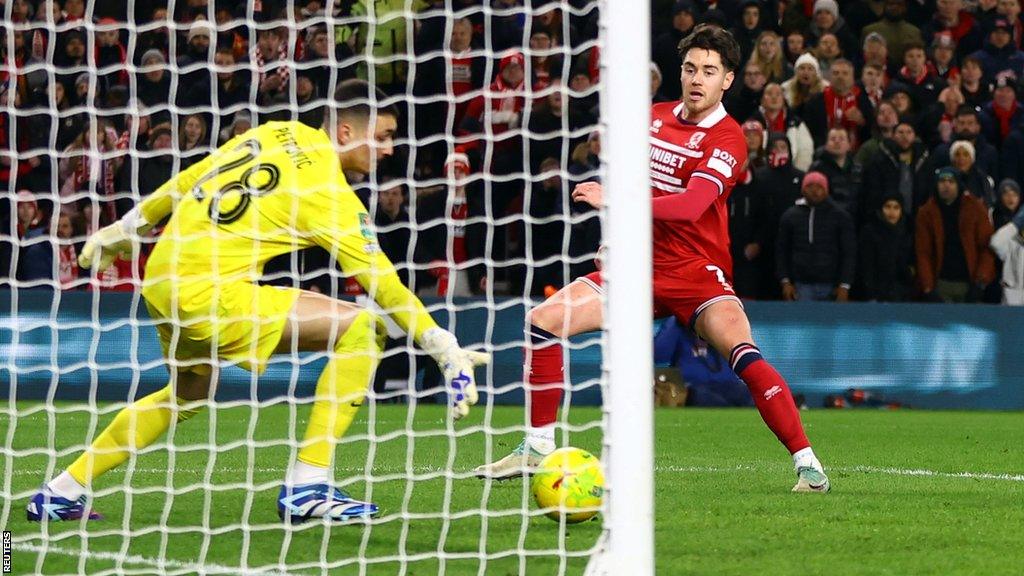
[(272, 190)]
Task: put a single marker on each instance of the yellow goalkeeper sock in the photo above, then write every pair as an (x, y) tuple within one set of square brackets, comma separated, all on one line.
[(136, 426), (341, 388)]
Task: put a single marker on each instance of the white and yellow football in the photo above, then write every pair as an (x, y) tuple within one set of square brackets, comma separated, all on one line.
[(569, 481)]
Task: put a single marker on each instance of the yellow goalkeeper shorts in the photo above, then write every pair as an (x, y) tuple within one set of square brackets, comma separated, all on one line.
[(202, 322)]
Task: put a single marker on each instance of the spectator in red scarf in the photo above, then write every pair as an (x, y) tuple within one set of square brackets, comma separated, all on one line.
[(446, 238), (776, 117), (924, 85), (1000, 116), (840, 105), (952, 19), (872, 83), (496, 146), (87, 165)]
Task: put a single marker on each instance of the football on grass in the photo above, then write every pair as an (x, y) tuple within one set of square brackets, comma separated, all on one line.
[(569, 482)]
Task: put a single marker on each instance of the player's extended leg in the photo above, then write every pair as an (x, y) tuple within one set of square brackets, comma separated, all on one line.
[(136, 426), (574, 309), (725, 326), (320, 323)]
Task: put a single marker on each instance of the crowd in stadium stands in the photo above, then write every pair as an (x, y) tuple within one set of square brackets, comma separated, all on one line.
[(885, 137)]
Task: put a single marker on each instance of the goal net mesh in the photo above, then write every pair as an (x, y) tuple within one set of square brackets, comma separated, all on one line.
[(101, 103)]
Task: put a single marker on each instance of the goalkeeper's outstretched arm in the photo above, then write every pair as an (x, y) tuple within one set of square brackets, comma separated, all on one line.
[(104, 246), (336, 221)]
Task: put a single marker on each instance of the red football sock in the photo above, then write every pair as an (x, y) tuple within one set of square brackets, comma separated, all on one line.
[(544, 376), (771, 396)]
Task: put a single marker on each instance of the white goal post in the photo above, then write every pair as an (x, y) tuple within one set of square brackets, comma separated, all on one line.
[(629, 434)]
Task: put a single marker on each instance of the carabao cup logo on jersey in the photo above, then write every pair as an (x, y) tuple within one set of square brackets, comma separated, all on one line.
[(695, 140)]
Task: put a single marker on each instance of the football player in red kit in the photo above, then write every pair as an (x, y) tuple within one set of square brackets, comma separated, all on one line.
[(697, 153)]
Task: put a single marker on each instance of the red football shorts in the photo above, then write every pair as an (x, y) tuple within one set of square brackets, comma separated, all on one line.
[(687, 292)]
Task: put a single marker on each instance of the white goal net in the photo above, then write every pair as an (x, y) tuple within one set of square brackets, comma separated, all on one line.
[(504, 106)]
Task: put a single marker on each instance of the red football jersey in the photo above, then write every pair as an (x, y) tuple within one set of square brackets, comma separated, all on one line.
[(713, 149)]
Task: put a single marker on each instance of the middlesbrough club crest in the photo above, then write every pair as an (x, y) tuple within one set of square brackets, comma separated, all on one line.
[(694, 142)]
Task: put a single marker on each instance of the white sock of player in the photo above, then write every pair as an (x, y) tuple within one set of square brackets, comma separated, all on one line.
[(806, 457), (303, 474), (541, 438), (65, 486)]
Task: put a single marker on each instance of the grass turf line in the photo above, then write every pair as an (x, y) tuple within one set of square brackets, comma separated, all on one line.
[(722, 482)]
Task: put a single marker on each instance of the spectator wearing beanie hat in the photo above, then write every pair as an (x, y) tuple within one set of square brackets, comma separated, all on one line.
[(827, 20), (950, 18), (1008, 202), (944, 57), (816, 252), (194, 64), (1000, 54), (952, 234), (805, 83), (1008, 244), (885, 255), (972, 180), (154, 83)]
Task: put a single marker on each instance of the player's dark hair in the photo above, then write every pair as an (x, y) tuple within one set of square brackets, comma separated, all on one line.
[(713, 39), (357, 99)]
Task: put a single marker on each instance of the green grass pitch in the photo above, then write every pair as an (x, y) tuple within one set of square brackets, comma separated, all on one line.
[(899, 505)]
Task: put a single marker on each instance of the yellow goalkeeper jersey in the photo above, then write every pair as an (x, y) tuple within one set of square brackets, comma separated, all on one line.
[(270, 191)]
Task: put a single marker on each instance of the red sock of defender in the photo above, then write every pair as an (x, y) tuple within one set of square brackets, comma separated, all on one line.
[(771, 395), (544, 376)]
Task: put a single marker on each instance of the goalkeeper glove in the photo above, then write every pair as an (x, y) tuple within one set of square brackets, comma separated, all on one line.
[(456, 364), (104, 246)]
